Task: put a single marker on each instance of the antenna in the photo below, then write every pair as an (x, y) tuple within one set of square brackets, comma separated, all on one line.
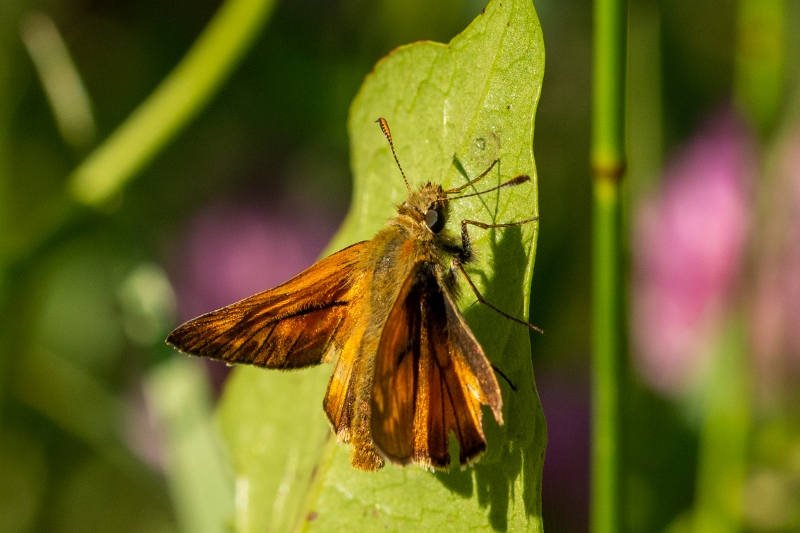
[(513, 182), (388, 135)]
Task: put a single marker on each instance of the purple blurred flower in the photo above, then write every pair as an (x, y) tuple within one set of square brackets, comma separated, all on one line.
[(688, 251), (233, 250), (565, 479)]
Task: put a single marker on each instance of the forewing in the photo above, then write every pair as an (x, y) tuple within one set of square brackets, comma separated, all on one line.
[(395, 383), (290, 326), (430, 379)]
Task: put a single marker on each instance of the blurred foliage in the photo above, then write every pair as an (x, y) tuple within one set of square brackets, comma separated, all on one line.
[(84, 297)]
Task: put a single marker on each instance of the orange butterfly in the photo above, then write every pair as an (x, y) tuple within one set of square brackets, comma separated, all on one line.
[(408, 371)]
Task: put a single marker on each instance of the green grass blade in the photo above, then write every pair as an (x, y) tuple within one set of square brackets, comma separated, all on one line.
[(173, 104), (179, 395)]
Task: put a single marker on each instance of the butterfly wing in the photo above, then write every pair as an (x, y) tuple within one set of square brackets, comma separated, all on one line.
[(291, 326), (431, 378)]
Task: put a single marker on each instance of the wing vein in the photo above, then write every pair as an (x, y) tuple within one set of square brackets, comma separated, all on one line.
[(332, 335), (284, 363), (259, 359)]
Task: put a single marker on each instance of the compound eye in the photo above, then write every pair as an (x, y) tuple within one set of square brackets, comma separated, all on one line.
[(434, 219)]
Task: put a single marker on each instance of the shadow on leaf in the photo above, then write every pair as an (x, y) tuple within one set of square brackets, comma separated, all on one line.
[(518, 446)]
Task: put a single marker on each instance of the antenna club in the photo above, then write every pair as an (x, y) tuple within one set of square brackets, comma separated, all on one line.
[(385, 128)]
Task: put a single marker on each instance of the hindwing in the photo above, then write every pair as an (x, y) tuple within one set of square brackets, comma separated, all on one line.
[(431, 378)]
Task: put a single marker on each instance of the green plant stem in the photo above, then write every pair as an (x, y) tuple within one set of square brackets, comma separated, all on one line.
[(725, 434), (173, 104), (608, 166)]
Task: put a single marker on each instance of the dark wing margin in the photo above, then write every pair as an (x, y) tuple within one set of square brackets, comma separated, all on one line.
[(290, 326), (472, 354), (431, 377)]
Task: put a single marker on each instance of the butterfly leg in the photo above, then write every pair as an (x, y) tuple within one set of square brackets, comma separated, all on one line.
[(466, 255), (502, 375), (466, 243), (473, 180), (480, 298)]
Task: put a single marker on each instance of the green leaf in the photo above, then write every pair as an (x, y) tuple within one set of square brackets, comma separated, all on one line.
[(453, 110)]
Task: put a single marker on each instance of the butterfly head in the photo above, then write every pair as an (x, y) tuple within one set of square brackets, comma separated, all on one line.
[(427, 207)]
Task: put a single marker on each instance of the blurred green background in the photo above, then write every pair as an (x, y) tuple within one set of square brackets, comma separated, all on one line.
[(104, 428)]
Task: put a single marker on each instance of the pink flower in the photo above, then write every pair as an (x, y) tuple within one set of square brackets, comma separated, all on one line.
[(688, 248), (233, 251)]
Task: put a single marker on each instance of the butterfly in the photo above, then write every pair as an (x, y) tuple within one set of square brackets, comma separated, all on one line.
[(408, 371)]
